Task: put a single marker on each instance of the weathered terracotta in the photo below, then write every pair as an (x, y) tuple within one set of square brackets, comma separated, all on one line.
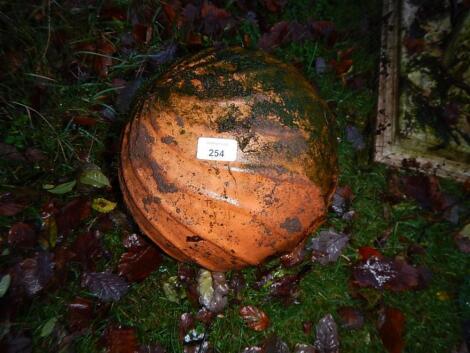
[(226, 215)]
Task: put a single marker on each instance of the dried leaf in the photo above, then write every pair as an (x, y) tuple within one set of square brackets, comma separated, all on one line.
[(254, 318), (215, 19), (325, 30), (391, 327), (105, 285), (286, 288), (80, 314), (327, 340), (136, 266), (327, 246), (102, 205), (351, 318), (277, 35), (21, 235), (212, 289), (367, 252), (307, 327), (121, 340), (61, 188), (173, 290), (274, 5)]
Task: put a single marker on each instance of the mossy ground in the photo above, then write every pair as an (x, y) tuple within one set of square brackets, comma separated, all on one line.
[(432, 321)]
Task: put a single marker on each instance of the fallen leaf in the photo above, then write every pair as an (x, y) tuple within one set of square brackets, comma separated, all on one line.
[(304, 348), (88, 249), (395, 275), (326, 340), (351, 318), (10, 153), (286, 288), (253, 349), (342, 200), (151, 348), (173, 289), (354, 137), (254, 318), (35, 273), (426, 191), (121, 340), (327, 246), (462, 239), (273, 344), (72, 215), (102, 205), (48, 327), (295, 257), (137, 265), (94, 176), (80, 314), (307, 327), (367, 252), (213, 290), (105, 285), (277, 35), (22, 235), (61, 188), (215, 19), (165, 55), (391, 327), (185, 324), (325, 30), (142, 33), (4, 284), (413, 45), (11, 206)]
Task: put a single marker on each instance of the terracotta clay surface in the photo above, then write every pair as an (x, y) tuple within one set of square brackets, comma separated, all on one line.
[(226, 215)]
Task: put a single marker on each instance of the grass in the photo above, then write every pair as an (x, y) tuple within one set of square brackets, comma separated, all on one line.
[(432, 324)]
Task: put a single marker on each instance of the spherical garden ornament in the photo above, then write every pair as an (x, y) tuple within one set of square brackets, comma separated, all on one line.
[(229, 158)]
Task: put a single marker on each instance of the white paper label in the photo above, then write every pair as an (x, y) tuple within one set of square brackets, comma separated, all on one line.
[(216, 149)]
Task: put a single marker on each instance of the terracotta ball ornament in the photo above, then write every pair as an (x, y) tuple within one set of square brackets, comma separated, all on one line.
[(229, 158)]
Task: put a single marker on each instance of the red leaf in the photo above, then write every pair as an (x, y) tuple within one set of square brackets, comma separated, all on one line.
[(274, 5), (367, 252), (80, 314), (254, 318), (325, 30), (72, 214), (84, 121), (121, 340), (215, 19), (21, 235), (141, 33), (351, 318), (88, 249), (138, 265), (414, 45), (391, 326)]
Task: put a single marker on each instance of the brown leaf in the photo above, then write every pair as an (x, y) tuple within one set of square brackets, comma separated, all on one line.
[(274, 5), (141, 33), (274, 344), (214, 18), (254, 318), (10, 206), (138, 265), (185, 324), (88, 249), (121, 340), (426, 191), (22, 235), (391, 327), (327, 246), (351, 318), (286, 288), (295, 257), (307, 327), (324, 30), (80, 314), (277, 35), (413, 45)]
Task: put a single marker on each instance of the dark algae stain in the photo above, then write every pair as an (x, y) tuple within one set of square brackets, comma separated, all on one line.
[(193, 238), (292, 225), (163, 184), (168, 140)]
